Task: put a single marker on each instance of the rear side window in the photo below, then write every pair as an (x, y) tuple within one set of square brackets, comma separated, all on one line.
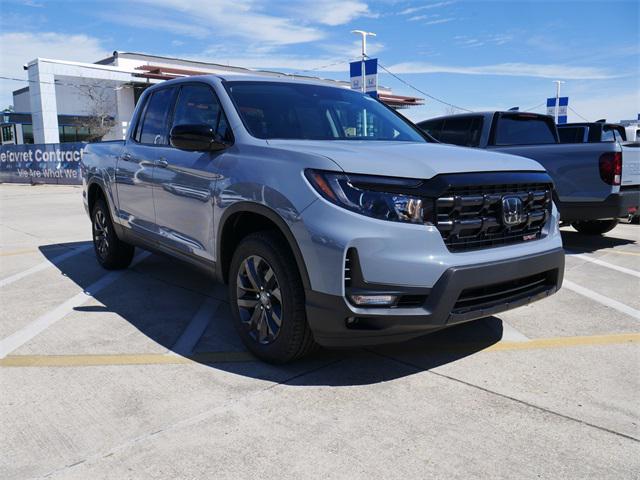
[(198, 105), (523, 130), (154, 125), (572, 134), (607, 135), (463, 131), (432, 127)]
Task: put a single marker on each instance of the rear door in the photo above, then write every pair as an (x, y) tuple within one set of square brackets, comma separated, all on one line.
[(184, 181), (134, 178)]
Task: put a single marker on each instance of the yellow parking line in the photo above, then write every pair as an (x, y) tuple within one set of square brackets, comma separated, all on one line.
[(11, 253), (226, 357), (121, 359), (621, 252), (559, 342)]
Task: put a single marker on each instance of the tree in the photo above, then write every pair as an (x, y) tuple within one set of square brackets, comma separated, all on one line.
[(100, 100)]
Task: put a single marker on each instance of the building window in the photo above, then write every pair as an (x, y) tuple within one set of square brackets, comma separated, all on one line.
[(7, 133), (72, 133), (27, 133)]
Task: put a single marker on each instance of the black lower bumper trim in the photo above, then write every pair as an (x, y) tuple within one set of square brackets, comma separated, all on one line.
[(335, 323), (615, 205)]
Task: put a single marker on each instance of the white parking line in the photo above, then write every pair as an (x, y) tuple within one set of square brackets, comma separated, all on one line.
[(602, 263), (44, 265), (609, 302), (196, 328), (43, 322)]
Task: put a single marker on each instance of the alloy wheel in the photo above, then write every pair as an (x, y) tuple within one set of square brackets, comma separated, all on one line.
[(259, 299), (101, 233)]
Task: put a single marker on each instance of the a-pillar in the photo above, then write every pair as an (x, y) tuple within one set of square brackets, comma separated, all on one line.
[(44, 111)]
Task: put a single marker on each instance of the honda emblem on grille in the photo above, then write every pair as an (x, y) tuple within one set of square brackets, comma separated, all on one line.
[(512, 211)]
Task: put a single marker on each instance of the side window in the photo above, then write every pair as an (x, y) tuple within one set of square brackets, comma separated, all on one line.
[(198, 105), (432, 127), (607, 135), (463, 131), (617, 135), (154, 124)]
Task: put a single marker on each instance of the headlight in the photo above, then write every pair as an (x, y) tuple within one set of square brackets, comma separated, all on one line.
[(384, 198)]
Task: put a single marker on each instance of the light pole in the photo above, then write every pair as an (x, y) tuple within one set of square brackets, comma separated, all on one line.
[(557, 82), (364, 36)]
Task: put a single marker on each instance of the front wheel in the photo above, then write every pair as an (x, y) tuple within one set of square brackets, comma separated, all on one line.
[(595, 227), (111, 252), (267, 299)]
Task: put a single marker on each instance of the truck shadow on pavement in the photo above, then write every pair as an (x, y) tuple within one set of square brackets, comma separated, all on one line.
[(160, 296), (580, 243)]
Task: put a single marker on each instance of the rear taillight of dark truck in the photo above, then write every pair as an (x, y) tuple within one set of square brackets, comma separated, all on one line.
[(611, 168)]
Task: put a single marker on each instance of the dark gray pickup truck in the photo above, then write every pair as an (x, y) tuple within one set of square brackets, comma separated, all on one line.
[(596, 183)]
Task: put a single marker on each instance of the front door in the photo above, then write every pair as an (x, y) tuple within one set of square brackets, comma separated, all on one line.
[(184, 181), (136, 165)]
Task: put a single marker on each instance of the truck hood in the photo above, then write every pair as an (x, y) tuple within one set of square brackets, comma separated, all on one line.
[(407, 159)]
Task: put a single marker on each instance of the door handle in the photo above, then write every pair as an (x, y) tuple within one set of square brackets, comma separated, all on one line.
[(162, 163), (126, 157)]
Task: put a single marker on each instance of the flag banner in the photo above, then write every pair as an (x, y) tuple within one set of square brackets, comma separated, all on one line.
[(563, 107), (370, 76), (355, 69)]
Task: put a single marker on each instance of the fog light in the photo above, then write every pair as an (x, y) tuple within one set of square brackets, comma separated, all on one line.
[(373, 300)]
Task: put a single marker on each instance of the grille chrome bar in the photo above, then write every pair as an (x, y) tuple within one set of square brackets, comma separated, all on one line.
[(471, 217)]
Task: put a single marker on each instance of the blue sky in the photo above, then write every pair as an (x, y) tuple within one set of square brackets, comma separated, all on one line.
[(472, 53)]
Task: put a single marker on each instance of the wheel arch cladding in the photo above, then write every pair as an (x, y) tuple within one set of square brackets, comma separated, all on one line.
[(244, 218)]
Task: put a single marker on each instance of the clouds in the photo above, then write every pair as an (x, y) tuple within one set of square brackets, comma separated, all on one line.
[(27, 46), (333, 12), (412, 10), (514, 69), (256, 21)]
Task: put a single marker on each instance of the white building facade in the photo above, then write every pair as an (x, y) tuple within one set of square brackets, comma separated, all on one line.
[(61, 95)]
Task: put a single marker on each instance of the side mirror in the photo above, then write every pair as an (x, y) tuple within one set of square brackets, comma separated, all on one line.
[(196, 138)]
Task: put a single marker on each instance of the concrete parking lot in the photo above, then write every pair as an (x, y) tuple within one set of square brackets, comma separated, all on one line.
[(139, 374)]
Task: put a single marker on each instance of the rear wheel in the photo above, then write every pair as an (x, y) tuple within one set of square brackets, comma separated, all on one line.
[(595, 227), (267, 299), (111, 252)]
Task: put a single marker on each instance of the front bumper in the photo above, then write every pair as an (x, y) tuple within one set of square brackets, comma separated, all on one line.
[(461, 294), (615, 205)]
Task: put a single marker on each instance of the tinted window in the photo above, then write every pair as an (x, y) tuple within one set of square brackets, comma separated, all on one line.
[(154, 124), (463, 131), (300, 111), (523, 130), (432, 127), (572, 134), (198, 105)]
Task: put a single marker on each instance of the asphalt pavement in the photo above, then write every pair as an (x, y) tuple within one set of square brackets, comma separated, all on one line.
[(138, 374)]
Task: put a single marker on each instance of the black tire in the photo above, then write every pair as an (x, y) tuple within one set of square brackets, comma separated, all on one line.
[(111, 252), (257, 326), (595, 227)]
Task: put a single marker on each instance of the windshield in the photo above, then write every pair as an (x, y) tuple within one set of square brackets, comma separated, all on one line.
[(272, 110)]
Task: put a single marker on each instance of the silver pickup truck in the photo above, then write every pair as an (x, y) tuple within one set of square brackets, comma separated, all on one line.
[(596, 183), (334, 220)]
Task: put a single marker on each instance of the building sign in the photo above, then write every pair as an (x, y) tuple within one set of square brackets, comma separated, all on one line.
[(370, 77), (44, 163), (562, 108)]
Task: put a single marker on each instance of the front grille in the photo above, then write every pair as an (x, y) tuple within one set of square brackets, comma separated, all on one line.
[(471, 217), (483, 297)]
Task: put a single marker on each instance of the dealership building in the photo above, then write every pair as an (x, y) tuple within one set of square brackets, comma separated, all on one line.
[(67, 101)]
